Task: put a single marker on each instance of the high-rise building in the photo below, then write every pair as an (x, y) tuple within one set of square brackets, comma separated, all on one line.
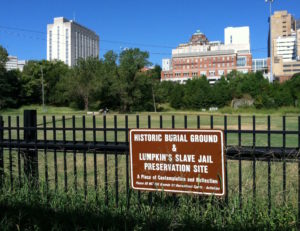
[(68, 41), (213, 59), (285, 45)]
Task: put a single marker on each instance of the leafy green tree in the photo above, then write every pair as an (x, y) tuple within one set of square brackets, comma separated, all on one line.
[(221, 93), (131, 62), (197, 93), (176, 97), (3, 56), (83, 81), (10, 88), (32, 81)]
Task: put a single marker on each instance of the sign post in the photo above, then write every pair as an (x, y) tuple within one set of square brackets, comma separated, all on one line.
[(178, 161)]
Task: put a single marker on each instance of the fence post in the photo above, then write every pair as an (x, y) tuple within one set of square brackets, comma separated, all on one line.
[(30, 155), (1, 152)]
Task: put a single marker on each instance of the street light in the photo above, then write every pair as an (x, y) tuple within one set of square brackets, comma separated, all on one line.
[(271, 69)]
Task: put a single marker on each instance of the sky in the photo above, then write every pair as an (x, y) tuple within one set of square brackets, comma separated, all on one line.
[(155, 26)]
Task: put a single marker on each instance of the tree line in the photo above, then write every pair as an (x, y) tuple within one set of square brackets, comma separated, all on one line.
[(117, 82)]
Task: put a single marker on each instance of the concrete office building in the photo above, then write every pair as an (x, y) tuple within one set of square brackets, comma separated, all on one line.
[(213, 59), (14, 63), (285, 46), (68, 41)]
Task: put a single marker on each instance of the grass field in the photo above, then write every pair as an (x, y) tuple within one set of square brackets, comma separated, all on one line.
[(287, 210)]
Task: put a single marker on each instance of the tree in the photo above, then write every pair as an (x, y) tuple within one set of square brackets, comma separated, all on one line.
[(83, 80), (3, 56), (53, 72), (176, 97), (10, 88), (131, 62)]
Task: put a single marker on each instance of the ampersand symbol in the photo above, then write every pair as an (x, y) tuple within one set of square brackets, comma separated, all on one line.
[(174, 149)]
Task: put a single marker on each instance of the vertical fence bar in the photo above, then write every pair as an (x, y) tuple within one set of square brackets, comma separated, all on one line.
[(160, 121), (84, 158), (31, 155), (19, 150), (173, 127), (74, 152), (138, 126), (1, 151), (269, 166), (95, 157), (105, 161), (284, 160), (254, 161), (116, 161), (211, 122), (45, 153), (226, 162), (198, 121), (185, 121), (127, 163), (150, 193), (65, 153), (10, 154), (240, 162), (55, 153)]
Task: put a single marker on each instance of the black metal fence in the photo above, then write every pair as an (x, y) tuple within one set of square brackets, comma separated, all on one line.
[(92, 151)]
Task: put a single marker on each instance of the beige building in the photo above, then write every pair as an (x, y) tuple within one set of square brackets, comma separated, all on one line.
[(285, 46)]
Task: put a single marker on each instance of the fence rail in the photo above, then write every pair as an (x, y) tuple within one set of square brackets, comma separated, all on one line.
[(82, 143)]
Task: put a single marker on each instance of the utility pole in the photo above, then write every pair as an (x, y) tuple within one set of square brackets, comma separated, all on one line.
[(271, 49), (43, 92), (154, 104)]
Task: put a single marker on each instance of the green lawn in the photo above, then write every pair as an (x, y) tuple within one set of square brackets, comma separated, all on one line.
[(47, 159)]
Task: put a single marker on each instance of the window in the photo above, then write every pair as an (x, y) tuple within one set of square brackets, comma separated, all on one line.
[(221, 72), (58, 42), (230, 39), (67, 46), (50, 45), (212, 73), (242, 61)]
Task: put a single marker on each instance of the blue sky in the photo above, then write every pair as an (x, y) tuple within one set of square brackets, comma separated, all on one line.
[(156, 26)]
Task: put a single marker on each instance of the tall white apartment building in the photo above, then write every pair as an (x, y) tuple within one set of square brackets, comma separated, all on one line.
[(68, 41)]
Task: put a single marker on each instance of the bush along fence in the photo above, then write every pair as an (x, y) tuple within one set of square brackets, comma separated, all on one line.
[(78, 153)]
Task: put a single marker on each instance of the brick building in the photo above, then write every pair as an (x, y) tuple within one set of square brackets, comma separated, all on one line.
[(200, 57)]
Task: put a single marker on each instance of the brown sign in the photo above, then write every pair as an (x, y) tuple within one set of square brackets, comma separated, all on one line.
[(181, 161)]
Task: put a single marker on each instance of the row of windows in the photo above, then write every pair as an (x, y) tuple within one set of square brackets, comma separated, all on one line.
[(50, 45), (67, 46), (291, 65), (289, 70), (84, 46), (203, 66), (209, 73), (196, 60), (58, 42)]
